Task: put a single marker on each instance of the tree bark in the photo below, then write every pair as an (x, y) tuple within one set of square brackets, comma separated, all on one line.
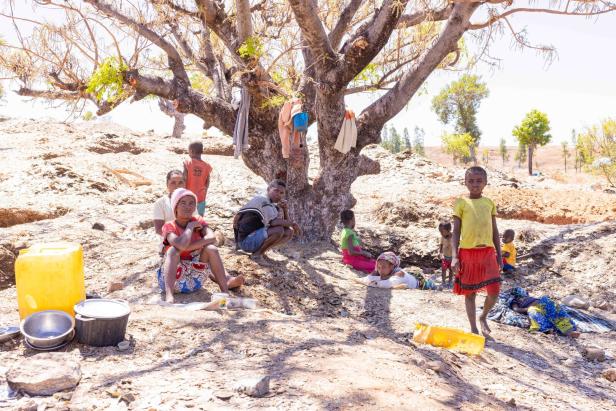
[(530, 159)]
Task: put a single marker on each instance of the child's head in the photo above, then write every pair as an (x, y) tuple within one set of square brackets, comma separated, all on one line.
[(444, 228), (347, 218), (175, 179), (475, 179), (508, 236), (195, 149), (386, 263)]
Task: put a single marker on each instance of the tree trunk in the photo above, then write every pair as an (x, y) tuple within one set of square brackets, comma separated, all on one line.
[(530, 160), (178, 126)]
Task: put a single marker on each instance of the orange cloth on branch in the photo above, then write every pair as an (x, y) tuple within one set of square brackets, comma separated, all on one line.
[(285, 125)]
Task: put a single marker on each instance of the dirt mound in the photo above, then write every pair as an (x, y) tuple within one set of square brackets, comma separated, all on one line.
[(404, 212), (13, 216), (113, 143), (553, 206)]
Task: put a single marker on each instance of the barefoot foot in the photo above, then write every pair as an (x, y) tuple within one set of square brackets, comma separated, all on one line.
[(485, 329), (235, 282), (260, 259), (169, 298)]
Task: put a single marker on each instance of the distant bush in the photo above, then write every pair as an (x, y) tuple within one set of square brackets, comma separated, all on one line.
[(597, 149)]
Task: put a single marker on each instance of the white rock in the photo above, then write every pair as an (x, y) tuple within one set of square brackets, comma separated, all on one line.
[(44, 374), (254, 387), (575, 301)]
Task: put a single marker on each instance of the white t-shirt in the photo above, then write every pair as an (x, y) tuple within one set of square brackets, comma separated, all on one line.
[(408, 280), (162, 209)]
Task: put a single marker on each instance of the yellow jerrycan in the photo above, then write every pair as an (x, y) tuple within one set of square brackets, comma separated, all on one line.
[(49, 276), (450, 338)]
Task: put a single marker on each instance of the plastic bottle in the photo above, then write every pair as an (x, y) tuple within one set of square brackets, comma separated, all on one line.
[(242, 302)]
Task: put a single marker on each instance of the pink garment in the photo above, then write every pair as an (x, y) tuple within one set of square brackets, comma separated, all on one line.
[(358, 262), (285, 125)]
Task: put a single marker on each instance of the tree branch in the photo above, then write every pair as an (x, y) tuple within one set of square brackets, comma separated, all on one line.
[(214, 112), (413, 19), (306, 15), (369, 40), (174, 59), (390, 104), (336, 35), (244, 20), (497, 17)]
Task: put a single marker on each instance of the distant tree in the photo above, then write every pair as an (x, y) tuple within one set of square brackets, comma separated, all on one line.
[(502, 150), (565, 153), (396, 140), (576, 151), (534, 131), (418, 140), (598, 149), (459, 102), (407, 139), (485, 156), (520, 155), (458, 146), (385, 138)]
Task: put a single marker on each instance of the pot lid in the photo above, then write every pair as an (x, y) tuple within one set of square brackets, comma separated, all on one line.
[(102, 308)]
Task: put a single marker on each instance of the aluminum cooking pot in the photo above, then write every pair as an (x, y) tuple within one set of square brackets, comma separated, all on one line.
[(47, 329)]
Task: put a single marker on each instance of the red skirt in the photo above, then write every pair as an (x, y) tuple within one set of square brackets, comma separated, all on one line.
[(478, 271)]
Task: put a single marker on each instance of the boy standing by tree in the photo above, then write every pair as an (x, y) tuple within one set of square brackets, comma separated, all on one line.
[(197, 174)]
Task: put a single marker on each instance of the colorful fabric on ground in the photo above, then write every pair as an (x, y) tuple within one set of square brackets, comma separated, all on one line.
[(502, 313), (478, 271), (190, 275), (476, 217), (509, 248), (547, 315)]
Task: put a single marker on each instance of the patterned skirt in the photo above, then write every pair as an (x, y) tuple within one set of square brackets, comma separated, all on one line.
[(478, 271), (190, 275), (547, 315)]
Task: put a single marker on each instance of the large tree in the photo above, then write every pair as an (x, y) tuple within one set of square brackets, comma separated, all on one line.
[(458, 102), (533, 131), (195, 52)]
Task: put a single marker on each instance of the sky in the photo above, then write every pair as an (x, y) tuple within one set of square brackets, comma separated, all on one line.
[(577, 90)]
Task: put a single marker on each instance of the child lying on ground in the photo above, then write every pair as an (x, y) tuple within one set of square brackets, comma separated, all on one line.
[(389, 275), (544, 314), (352, 254)]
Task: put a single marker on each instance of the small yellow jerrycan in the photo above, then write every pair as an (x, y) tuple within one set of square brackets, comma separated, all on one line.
[(450, 338), (49, 276)]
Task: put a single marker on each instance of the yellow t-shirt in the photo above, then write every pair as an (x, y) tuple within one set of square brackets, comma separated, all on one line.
[(509, 248), (476, 216)]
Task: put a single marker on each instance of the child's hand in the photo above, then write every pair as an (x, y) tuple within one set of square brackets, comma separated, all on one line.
[(193, 225), (455, 266)]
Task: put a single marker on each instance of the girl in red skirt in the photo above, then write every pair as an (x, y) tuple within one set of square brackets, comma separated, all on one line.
[(476, 260)]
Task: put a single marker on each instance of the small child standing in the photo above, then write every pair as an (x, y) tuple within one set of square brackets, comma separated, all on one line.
[(352, 254), (197, 174), (509, 252), (477, 259), (444, 251)]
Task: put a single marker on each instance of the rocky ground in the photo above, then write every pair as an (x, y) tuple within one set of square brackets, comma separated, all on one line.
[(325, 341)]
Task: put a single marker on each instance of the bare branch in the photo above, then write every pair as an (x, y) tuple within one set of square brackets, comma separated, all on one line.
[(244, 20), (306, 15), (336, 35), (369, 39), (413, 19), (609, 8), (175, 60), (390, 104)]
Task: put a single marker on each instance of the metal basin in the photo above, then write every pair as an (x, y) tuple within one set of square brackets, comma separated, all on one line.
[(47, 329)]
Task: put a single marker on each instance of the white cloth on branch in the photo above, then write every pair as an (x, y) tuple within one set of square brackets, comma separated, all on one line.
[(347, 137)]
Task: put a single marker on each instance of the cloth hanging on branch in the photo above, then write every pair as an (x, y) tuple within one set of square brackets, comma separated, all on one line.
[(347, 137), (240, 132), (288, 138)]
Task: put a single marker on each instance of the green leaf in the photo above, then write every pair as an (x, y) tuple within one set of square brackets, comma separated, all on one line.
[(107, 82)]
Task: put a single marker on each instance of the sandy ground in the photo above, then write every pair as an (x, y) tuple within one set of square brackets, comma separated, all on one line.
[(326, 341)]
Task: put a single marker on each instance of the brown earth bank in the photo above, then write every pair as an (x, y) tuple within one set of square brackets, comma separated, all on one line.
[(326, 341)]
